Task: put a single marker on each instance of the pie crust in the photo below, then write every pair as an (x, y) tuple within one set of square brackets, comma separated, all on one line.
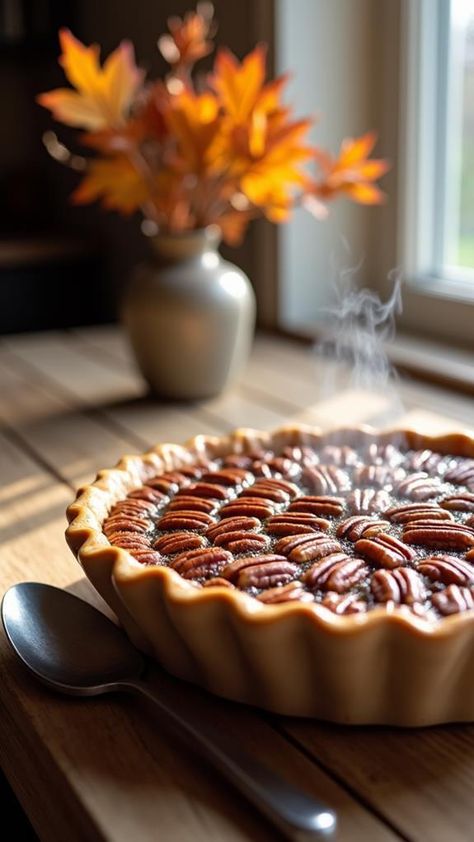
[(388, 665)]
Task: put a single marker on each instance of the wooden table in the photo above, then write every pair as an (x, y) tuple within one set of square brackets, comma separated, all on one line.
[(103, 769)]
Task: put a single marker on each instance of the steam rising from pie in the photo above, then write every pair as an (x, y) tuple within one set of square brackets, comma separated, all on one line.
[(352, 354)]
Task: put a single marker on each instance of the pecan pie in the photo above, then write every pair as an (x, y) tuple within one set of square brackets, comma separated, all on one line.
[(284, 569)]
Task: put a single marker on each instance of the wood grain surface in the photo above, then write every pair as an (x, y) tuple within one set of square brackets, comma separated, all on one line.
[(104, 769)]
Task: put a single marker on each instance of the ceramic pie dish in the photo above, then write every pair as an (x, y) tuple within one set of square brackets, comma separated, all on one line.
[(314, 574)]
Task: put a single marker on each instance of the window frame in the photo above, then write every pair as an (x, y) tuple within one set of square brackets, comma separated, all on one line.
[(425, 105)]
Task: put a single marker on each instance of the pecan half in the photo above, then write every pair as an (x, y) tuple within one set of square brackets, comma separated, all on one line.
[(229, 476), (136, 508), (462, 474), (461, 502), (145, 556), (197, 470), (323, 505), (280, 467), (343, 456), (258, 454), (358, 526), (118, 520), (285, 485), (127, 540), (263, 571), (451, 536), (411, 512), (242, 541), (377, 476), (204, 563), (326, 479), (336, 572), (344, 603), (302, 548), (274, 489), (292, 592), (382, 454), (303, 455), (237, 460), (295, 523), (140, 508), (165, 487), (231, 524), (208, 489), (264, 490), (424, 460), (384, 550), (402, 586), (447, 569), (257, 507), (125, 523), (178, 542), (170, 482), (367, 500), (453, 600), (185, 520), (188, 503), (419, 487), (150, 494)]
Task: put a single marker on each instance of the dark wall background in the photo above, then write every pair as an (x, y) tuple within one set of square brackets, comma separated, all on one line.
[(62, 265)]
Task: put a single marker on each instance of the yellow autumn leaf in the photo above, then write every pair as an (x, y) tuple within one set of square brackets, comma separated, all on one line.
[(103, 95), (270, 181), (352, 172), (365, 194), (354, 151), (274, 197)]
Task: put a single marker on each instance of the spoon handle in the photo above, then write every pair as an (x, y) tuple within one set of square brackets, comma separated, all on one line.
[(295, 813)]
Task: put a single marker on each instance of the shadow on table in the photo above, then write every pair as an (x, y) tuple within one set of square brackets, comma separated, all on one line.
[(13, 816)]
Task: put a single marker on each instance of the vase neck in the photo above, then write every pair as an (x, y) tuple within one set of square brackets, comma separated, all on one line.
[(173, 248)]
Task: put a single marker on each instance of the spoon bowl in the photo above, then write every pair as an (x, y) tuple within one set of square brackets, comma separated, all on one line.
[(66, 642)]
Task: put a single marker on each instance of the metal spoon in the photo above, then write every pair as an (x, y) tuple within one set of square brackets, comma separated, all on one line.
[(73, 648)]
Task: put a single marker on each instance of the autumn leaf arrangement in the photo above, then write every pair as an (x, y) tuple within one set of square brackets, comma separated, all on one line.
[(195, 149)]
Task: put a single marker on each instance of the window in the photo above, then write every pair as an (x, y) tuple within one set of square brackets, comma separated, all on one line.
[(327, 46), (437, 222), (405, 68), (459, 226)]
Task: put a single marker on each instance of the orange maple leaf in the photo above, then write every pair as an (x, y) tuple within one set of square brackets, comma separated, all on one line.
[(352, 172), (248, 104), (269, 180), (116, 182), (103, 95), (193, 120), (239, 84), (258, 144), (146, 123)]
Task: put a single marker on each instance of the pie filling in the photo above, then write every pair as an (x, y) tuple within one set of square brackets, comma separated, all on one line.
[(349, 529)]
